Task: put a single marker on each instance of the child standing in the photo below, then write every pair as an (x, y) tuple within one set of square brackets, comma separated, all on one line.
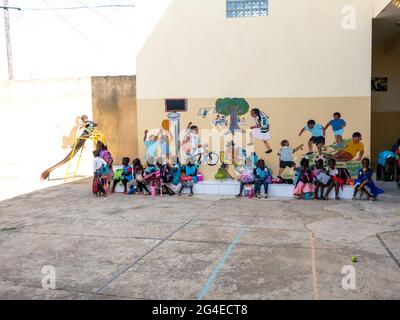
[(262, 176), (107, 157), (261, 129), (304, 180), (364, 182), (317, 136), (286, 157), (126, 177), (100, 169), (338, 125), (334, 182)]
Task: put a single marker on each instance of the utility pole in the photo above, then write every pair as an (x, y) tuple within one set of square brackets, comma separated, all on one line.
[(8, 40)]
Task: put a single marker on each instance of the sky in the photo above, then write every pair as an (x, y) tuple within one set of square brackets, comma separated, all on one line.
[(80, 43)]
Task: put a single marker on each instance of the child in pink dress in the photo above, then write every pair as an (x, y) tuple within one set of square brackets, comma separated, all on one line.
[(304, 180)]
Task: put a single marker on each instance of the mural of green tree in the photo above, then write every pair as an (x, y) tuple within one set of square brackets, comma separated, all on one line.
[(232, 107)]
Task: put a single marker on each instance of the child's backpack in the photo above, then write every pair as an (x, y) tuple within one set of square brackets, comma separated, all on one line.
[(344, 174), (323, 178), (248, 190), (118, 174), (106, 155), (248, 175), (95, 185), (304, 176)]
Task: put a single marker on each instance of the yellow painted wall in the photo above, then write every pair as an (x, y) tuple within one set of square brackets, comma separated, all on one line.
[(114, 108)]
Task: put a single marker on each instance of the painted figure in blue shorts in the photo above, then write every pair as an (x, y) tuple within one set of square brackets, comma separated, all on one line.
[(338, 125)]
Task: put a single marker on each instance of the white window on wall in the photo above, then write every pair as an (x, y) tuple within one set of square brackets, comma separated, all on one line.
[(246, 8)]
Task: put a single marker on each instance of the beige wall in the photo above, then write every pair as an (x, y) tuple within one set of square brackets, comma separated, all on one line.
[(37, 125), (378, 6), (114, 108), (299, 50)]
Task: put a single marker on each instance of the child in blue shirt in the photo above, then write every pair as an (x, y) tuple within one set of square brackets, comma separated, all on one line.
[(189, 177), (338, 125), (317, 136), (261, 174), (127, 175)]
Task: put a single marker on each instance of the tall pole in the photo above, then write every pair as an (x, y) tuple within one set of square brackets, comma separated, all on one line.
[(8, 40)]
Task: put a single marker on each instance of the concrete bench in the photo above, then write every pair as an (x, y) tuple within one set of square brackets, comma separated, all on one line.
[(231, 188)]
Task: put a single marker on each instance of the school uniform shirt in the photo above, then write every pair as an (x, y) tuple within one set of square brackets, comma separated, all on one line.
[(286, 154), (262, 174), (317, 131), (98, 162), (333, 172), (128, 172), (384, 155)]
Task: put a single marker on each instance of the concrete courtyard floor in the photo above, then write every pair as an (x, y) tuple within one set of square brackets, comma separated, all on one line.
[(137, 247)]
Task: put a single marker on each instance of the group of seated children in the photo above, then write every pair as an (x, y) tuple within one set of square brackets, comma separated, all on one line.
[(316, 181), (157, 178)]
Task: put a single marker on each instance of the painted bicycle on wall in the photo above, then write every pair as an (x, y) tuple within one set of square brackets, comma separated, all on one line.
[(205, 156)]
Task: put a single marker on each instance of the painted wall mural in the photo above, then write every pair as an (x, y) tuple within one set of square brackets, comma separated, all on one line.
[(234, 139)]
